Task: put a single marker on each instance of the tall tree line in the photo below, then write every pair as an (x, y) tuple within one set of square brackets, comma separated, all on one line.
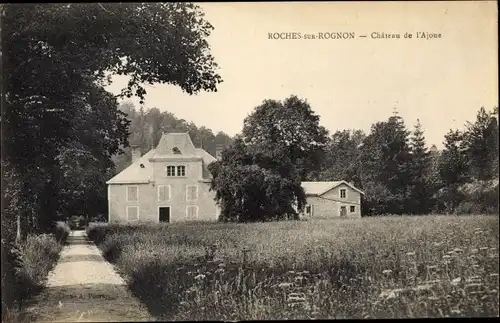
[(400, 174), (148, 125)]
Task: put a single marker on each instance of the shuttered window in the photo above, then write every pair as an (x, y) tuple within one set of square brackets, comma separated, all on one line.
[(132, 213), (132, 193), (191, 192), (163, 193), (192, 212)]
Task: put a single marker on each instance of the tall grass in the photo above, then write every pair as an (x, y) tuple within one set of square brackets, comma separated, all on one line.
[(25, 267), (394, 267)]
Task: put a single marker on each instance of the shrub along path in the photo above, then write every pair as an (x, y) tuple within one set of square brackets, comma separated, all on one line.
[(83, 287)]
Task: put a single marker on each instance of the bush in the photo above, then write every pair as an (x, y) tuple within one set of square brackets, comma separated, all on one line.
[(77, 222), (62, 232), (98, 232), (25, 267)]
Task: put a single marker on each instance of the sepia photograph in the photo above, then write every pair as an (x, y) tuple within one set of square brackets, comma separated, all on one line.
[(240, 161)]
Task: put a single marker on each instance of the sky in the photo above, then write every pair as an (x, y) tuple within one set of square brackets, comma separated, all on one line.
[(349, 83)]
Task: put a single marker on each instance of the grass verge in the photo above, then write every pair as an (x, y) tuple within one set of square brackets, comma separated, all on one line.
[(25, 267)]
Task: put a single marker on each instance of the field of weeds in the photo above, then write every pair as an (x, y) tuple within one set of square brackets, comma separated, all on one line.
[(391, 267)]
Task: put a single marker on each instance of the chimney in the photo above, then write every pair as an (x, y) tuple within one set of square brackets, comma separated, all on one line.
[(218, 151), (136, 153)]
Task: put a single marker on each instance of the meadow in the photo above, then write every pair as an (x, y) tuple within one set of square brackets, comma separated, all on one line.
[(384, 267)]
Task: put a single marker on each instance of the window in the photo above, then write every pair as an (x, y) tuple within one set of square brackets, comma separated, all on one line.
[(170, 170), (132, 213), (163, 193), (191, 192), (353, 209), (181, 170), (191, 212), (176, 150), (343, 193), (132, 193), (308, 209)]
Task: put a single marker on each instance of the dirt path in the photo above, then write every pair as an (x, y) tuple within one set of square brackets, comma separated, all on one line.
[(83, 287)]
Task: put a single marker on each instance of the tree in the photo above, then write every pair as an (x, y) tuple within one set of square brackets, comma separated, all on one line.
[(385, 161), (256, 185), (481, 137), (223, 139), (420, 194), (453, 169), (292, 125), (341, 157), (56, 55)]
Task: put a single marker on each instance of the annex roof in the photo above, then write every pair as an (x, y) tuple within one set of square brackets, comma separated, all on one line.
[(320, 188)]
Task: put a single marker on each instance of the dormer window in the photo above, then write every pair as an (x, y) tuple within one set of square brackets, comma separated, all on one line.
[(173, 171), (176, 151)]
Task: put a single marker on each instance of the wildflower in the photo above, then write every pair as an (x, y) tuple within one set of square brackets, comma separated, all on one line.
[(299, 278), (474, 251), (222, 265), (285, 285), (456, 281), (423, 287), (219, 271), (456, 312), (387, 271), (437, 244), (184, 303), (431, 267), (296, 304), (291, 272), (446, 257), (410, 253), (296, 298), (433, 298), (473, 285), (200, 277), (387, 294), (458, 250), (483, 248), (405, 291)]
